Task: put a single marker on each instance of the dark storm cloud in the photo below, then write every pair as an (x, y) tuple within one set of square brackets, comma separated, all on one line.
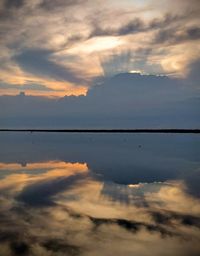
[(164, 36), (9, 15), (136, 25), (131, 27), (44, 4), (50, 5), (166, 20), (172, 36), (37, 62), (193, 33), (13, 3)]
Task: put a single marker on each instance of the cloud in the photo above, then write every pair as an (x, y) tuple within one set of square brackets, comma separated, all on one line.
[(134, 26), (131, 27), (32, 87), (133, 226), (167, 218), (44, 195), (13, 3), (131, 61), (174, 36), (51, 207), (137, 25), (59, 245), (85, 29), (40, 4), (194, 75), (50, 5), (20, 248), (123, 101), (37, 62)]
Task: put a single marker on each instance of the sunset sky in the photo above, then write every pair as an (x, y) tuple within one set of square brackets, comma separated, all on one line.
[(57, 48)]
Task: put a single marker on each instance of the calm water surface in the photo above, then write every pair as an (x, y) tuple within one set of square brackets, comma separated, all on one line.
[(99, 194)]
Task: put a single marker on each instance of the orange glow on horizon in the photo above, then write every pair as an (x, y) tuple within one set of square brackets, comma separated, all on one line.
[(49, 94), (52, 88), (53, 170), (44, 165)]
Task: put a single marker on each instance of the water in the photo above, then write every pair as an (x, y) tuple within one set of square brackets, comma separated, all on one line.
[(99, 194)]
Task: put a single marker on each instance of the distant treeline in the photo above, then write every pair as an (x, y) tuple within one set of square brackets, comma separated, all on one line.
[(105, 130)]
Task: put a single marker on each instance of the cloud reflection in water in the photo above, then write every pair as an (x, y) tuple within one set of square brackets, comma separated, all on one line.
[(59, 208)]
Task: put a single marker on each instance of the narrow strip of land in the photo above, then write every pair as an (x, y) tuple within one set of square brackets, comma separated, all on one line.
[(105, 130)]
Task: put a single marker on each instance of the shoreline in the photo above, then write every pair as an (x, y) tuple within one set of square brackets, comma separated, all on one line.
[(167, 130)]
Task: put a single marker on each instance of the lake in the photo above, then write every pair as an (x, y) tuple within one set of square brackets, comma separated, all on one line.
[(99, 194)]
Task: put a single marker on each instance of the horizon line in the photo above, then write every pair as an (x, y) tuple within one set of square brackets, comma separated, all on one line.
[(136, 130)]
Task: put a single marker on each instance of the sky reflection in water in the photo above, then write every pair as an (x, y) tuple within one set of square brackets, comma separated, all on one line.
[(99, 194)]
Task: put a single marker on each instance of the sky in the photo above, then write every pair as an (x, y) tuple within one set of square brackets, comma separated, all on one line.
[(126, 100), (62, 47)]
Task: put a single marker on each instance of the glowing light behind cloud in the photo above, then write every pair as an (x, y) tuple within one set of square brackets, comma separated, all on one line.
[(80, 34)]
